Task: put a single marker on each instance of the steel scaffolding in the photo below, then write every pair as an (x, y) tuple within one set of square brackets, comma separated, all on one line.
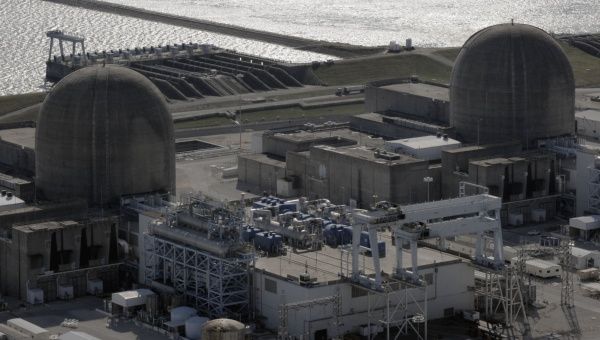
[(397, 296), (333, 300), (502, 292), (216, 286)]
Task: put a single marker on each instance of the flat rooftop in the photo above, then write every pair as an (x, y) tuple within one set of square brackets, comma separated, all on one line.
[(425, 142), (43, 226), (86, 310), (329, 136), (328, 263), (420, 89), (22, 136), (593, 115), (7, 201), (370, 154)]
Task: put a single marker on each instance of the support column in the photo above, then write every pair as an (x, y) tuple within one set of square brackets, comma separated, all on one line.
[(83, 55), (375, 254), (62, 51), (414, 258), (498, 247), (399, 250), (50, 51), (355, 246), (479, 247), (442, 243)]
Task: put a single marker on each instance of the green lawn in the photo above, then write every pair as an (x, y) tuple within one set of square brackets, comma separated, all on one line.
[(361, 71), (586, 67), (448, 53), (16, 102)]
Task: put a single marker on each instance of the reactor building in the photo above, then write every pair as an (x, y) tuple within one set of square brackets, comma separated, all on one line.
[(512, 82), (510, 100), (103, 133)]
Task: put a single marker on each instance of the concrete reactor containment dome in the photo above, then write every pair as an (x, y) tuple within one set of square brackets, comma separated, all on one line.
[(104, 132), (511, 82), (223, 329)]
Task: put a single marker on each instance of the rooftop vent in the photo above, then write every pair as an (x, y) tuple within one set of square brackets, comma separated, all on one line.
[(386, 155)]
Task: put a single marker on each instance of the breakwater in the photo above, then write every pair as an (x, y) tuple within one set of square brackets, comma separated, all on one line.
[(331, 48)]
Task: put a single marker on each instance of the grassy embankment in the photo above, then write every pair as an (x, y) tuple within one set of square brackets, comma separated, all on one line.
[(12, 103), (586, 67)]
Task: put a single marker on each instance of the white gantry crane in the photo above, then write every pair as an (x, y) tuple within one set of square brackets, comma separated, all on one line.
[(477, 215)]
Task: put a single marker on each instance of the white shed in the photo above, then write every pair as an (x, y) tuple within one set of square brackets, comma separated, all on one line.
[(541, 268), (583, 226), (129, 301), (131, 298), (583, 258), (29, 329)]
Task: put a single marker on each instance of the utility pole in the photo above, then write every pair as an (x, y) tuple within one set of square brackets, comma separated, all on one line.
[(567, 288), (428, 180)]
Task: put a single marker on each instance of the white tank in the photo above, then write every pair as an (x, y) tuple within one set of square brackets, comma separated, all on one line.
[(180, 314), (223, 329), (193, 327)]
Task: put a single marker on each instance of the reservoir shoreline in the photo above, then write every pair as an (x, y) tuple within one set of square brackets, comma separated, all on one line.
[(340, 50)]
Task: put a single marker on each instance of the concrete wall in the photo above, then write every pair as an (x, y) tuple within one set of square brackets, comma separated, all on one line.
[(449, 289), (341, 177), (587, 127), (18, 157), (297, 168), (367, 124), (27, 255), (280, 145), (257, 173), (585, 160), (455, 163), (379, 99)]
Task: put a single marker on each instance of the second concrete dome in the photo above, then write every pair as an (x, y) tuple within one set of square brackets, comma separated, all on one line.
[(511, 82), (104, 132)]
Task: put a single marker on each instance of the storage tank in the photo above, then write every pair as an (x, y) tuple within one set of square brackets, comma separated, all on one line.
[(193, 327), (223, 329)]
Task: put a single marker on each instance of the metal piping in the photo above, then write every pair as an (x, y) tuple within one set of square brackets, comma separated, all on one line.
[(188, 237)]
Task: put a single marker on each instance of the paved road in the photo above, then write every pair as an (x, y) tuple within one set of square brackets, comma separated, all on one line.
[(328, 99), (258, 126)]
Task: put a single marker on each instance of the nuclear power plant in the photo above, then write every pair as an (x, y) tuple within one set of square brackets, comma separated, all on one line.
[(394, 224), (104, 132), (512, 82)]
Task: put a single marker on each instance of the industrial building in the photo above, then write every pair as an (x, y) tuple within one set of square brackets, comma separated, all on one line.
[(60, 260), (336, 163), (587, 124), (502, 124), (112, 127), (512, 82), (352, 228), (103, 132)]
